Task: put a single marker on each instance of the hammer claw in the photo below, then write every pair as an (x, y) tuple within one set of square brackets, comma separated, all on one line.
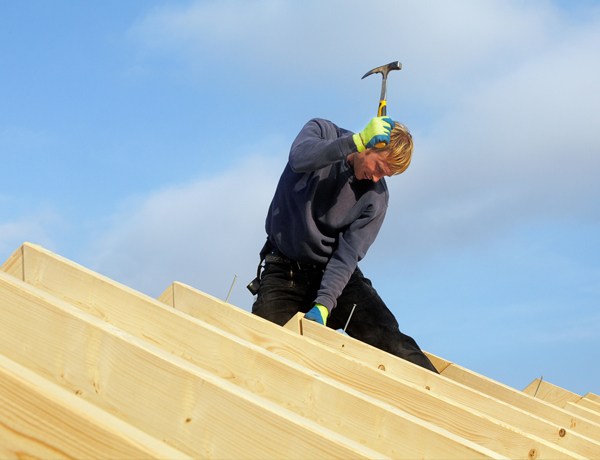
[(383, 70)]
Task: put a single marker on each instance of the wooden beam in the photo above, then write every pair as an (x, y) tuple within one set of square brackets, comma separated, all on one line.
[(90, 294), (400, 369), (373, 356), (589, 404), (169, 398), (347, 411), (583, 412), (14, 264), (593, 397), (560, 397), (294, 324), (39, 419), (523, 401), (550, 393), (403, 369), (393, 390), (439, 363)]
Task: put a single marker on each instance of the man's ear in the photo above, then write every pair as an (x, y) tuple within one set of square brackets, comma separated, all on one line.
[(350, 159)]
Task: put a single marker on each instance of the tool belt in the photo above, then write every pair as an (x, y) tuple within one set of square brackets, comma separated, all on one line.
[(271, 255), (276, 257)]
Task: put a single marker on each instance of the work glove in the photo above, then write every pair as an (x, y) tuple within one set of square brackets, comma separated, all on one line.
[(377, 132), (318, 313)]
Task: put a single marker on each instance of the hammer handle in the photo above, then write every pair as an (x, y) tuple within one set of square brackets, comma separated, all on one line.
[(381, 112)]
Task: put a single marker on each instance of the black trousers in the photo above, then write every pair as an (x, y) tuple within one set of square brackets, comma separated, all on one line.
[(285, 290)]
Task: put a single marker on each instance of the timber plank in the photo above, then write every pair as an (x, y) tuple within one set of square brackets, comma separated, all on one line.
[(518, 399), (439, 363), (358, 416), (368, 379), (583, 412), (91, 300), (593, 397), (14, 264), (38, 419), (405, 370), (369, 355), (166, 396), (550, 393), (358, 350), (294, 324), (589, 404), (168, 296)]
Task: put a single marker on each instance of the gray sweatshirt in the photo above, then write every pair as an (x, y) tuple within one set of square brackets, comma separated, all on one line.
[(321, 213)]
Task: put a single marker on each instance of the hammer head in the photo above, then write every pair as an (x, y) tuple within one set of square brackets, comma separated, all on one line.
[(384, 69)]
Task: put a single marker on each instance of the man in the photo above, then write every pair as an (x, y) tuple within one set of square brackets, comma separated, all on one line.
[(327, 210)]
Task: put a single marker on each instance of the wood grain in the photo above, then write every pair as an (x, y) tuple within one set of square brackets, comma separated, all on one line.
[(535, 406), (584, 412), (203, 415), (589, 404), (593, 397), (329, 403), (395, 391), (14, 264), (38, 419), (550, 393)]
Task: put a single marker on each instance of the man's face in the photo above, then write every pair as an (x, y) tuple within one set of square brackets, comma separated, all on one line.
[(371, 165)]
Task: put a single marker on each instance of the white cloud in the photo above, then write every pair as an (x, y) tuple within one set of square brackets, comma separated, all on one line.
[(446, 47), (521, 148), (283, 42), (201, 234)]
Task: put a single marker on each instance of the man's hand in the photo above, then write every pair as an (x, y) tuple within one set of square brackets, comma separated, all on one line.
[(318, 313), (377, 131)]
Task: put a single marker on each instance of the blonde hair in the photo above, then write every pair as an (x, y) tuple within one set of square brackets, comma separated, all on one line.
[(399, 150)]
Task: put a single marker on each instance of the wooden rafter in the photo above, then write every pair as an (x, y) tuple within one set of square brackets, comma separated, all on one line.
[(190, 375), (164, 395), (318, 398), (368, 378), (39, 419)]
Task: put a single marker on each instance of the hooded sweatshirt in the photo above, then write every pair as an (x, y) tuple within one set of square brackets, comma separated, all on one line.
[(321, 213)]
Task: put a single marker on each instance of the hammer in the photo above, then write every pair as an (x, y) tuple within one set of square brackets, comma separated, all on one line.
[(383, 70)]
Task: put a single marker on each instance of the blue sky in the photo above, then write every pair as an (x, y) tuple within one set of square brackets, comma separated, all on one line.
[(144, 140)]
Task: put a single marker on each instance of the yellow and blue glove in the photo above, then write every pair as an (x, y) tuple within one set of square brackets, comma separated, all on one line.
[(318, 313), (377, 132)]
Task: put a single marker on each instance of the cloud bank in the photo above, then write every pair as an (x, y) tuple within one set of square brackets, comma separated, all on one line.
[(202, 233)]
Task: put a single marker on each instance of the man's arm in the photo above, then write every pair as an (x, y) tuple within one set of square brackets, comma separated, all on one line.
[(351, 248), (319, 144)]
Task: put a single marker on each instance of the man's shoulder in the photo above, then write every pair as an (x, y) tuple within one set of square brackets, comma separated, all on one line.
[(322, 122), (328, 128)]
